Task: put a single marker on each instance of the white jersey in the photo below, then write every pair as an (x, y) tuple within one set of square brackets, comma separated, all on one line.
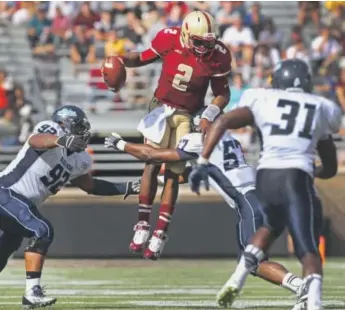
[(291, 122), (230, 167), (37, 174)]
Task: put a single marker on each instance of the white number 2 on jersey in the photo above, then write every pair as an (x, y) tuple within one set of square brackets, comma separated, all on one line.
[(180, 80), (170, 31)]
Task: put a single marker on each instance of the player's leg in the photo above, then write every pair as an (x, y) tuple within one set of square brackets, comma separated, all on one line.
[(29, 223), (304, 214), (254, 251), (250, 219), (148, 190), (9, 243), (180, 126), (251, 215)]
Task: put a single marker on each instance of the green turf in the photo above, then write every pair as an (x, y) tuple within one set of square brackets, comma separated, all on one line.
[(166, 284)]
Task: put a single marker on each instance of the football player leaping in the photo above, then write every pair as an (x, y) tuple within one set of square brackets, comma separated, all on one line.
[(192, 58), (294, 123), (53, 155), (233, 179)]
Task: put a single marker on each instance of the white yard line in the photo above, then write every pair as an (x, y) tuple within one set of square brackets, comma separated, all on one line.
[(236, 305)]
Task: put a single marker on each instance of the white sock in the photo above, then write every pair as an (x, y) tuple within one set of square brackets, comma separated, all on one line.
[(314, 290), (30, 283), (245, 266), (291, 282)]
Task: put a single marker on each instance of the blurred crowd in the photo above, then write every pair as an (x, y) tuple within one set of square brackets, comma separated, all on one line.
[(15, 109), (85, 32)]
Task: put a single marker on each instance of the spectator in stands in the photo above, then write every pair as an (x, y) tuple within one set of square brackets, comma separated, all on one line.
[(37, 24), (259, 79), (200, 6), (154, 22), (226, 15), (266, 58), (86, 18), (298, 49), (3, 93), (237, 89), (325, 51), (82, 49), (23, 13), (335, 20), (103, 26), (116, 45), (340, 88), (255, 20), (175, 13), (7, 9), (134, 29), (45, 45), (142, 7), (18, 113), (309, 9), (270, 35), (67, 8), (240, 40), (119, 12), (60, 28)]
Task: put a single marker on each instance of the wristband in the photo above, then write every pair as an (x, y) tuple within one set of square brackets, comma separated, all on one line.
[(202, 161), (121, 145), (211, 112)]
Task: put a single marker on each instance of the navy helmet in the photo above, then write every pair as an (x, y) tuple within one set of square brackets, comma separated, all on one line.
[(292, 73), (72, 120)]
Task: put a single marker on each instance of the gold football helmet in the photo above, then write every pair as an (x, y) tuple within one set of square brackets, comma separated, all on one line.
[(199, 32)]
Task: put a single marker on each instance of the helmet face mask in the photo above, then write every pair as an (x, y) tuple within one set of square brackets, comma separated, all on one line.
[(202, 45)]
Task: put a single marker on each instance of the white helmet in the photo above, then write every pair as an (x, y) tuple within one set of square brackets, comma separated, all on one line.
[(199, 32)]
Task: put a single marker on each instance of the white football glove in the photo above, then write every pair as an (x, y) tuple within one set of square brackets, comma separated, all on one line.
[(112, 140)]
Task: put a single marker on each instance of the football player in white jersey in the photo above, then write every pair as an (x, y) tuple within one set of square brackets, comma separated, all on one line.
[(231, 177), (53, 155), (294, 124)]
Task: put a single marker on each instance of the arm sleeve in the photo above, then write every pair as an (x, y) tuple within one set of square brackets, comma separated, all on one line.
[(162, 41), (224, 59)]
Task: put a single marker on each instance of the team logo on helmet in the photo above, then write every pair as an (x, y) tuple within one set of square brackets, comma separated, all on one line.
[(64, 113)]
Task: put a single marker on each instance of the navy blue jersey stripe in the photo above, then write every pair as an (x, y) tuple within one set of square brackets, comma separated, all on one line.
[(31, 155)]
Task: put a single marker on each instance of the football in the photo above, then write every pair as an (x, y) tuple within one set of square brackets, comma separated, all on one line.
[(114, 73)]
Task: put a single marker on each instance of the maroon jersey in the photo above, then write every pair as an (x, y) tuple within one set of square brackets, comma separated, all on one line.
[(185, 77)]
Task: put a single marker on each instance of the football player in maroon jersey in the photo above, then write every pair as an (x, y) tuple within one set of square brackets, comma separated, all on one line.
[(192, 59)]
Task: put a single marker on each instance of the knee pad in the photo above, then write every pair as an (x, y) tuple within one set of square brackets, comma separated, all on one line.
[(39, 245)]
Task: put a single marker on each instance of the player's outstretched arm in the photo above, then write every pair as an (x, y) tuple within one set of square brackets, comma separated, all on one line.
[(235, 119), (328, 155), (98, 187), (143, 152), (43, 141), (139, 59), (48, 141)]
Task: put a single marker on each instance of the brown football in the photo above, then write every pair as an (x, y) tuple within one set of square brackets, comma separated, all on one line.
[(114, 73)]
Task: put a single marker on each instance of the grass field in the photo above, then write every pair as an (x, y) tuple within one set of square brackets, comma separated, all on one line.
[(166, 284)]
